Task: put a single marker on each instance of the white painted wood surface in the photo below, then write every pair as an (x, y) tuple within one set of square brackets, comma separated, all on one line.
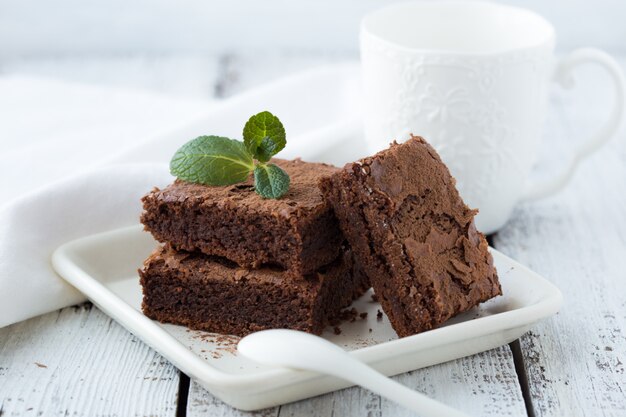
[(79, 362), (574, 362), (482, 385), (577, 239)]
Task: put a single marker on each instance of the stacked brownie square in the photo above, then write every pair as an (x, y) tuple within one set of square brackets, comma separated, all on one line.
[(233, 262)]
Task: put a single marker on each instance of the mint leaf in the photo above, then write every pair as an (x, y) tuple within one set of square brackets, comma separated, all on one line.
[(270, 181), (216, 160), (212, 160), (264, 136)]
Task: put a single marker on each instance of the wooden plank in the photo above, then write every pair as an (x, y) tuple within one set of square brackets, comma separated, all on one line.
[(79, 362), (238, 72), (575, 361), (201, 403), (482, 385), (347, 402), (173, 75)]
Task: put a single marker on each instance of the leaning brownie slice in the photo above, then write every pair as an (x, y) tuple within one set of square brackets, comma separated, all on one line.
[(212, 294), (298, 232), (413, 235)]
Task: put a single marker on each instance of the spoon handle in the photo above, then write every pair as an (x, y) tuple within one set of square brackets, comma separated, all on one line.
[(363, 375)]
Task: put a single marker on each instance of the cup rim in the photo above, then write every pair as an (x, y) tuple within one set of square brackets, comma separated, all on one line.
[(549, 40)]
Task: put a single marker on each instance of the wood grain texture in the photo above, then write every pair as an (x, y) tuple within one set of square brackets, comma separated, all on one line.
[(238, 72), (481, 385), (201, 403), (577, 239), (79, 362)]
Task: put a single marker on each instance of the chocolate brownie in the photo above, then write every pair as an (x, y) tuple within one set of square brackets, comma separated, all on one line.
[(412, 233), (208, 293), (298, 232)]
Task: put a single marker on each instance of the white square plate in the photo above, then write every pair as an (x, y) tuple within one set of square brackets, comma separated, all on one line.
[(104, 267)]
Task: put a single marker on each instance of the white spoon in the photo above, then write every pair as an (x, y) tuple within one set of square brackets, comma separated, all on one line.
[(301, 350)]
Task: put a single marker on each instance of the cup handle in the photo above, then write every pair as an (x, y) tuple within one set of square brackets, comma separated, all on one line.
[(563, 75)]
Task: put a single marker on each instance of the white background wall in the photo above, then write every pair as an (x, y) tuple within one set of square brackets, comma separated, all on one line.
[(61, 27)]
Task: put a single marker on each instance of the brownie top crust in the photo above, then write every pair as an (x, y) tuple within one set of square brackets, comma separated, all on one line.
[(303, 194), (412, 167)]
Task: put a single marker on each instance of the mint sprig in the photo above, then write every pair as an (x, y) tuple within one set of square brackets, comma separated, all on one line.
[(217, 160)]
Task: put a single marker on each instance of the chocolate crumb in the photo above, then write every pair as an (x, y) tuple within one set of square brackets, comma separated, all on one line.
[(363, 315), (353, 314), (345, 315), (379, 315), (40, 365), (374, 298), (370, 330), (337, 330), (222, 343)]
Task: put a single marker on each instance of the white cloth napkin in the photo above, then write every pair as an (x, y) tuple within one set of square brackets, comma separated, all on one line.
[(76, 160), (55, 139)]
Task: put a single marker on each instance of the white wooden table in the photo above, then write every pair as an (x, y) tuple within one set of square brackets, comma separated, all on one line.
[(79, 362)]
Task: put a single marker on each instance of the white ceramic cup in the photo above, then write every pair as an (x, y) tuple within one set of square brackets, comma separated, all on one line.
[(471, 78)]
